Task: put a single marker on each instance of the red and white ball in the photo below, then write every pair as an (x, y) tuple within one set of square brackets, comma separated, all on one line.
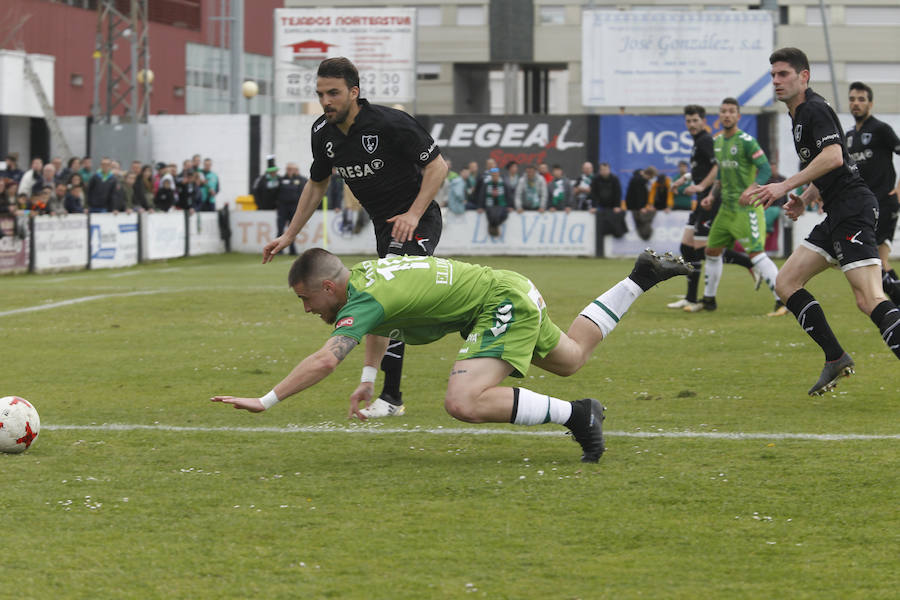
[(19, 424)]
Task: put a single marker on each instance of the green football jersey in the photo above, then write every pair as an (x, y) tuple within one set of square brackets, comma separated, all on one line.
[(416, 299), (741, 162)]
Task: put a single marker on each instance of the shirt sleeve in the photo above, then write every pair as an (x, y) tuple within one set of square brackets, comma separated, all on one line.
[(756, 154), (825, 131), (891, 141), (320, 170), (359, 316), (411, 139), (706, 144)]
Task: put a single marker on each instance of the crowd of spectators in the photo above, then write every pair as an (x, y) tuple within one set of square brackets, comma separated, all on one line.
[(79, 187)]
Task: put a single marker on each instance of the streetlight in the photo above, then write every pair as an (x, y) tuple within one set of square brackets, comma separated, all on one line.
[(249, 89)]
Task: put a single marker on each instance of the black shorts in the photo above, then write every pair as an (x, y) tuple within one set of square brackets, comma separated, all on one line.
[(425, 239), (888, 210), (701, 219), (847, 235)]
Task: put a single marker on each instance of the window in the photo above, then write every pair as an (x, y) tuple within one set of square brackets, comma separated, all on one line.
[(428, 71), (552, 15), (469, 16), (884, 72), (814, 15), (818, 72), (873, 15), (428, 16)]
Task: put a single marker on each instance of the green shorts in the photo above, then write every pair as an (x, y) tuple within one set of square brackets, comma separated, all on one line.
[(513, 326), (745, 226)]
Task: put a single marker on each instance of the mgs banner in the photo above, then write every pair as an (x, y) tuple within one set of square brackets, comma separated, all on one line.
[(629, 142), (379, 41), (672, 58)]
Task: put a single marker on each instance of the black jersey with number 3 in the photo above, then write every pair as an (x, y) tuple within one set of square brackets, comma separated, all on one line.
[(815, 126), (380, 157), (872, 147)]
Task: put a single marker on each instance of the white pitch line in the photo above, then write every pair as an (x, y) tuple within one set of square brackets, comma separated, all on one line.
[(713, 435), (71, 301)]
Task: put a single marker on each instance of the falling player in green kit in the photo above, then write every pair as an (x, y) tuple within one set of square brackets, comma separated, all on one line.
[(743, 167), (500, 314)]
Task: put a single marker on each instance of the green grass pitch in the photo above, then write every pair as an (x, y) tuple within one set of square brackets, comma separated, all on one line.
[(197, 500)]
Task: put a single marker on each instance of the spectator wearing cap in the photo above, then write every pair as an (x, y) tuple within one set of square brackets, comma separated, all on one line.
[(265, 188), (74, 200)]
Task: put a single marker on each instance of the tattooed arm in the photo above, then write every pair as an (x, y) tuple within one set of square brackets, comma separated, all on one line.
[(311, 370)]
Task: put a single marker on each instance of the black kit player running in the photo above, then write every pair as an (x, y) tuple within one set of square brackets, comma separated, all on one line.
[(846, 236), (394, 168)]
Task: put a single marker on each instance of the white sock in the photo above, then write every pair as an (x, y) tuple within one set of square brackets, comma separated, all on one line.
[(713, 275), (768, 270), (607, 309), (530, 408)]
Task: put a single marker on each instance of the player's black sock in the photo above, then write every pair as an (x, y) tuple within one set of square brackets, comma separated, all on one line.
[(737, 258), (893, 274), (687, 252), (887, 317), (812, 319), (392, 365), (696, 258)]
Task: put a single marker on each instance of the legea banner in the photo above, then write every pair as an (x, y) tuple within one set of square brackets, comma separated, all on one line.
[(525, 139), (381, 42), (672, 58)]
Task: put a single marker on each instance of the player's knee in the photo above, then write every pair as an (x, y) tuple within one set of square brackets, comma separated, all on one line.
[(785, 286), (461, 406)]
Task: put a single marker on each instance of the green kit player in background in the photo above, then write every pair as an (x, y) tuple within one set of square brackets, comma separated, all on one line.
[(500, 315), (743, 167)]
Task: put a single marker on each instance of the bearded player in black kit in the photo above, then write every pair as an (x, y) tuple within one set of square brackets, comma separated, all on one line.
[(847, 235), (872, 144), (395, 169)]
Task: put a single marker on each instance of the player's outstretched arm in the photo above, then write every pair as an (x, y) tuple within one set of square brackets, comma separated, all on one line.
[(311, 370), (309, 201), (829, 159)]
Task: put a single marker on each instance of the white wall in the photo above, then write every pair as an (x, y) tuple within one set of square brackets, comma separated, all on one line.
[(16, 95), (75, 131), (20, 139), (223, 138), (292, 140)]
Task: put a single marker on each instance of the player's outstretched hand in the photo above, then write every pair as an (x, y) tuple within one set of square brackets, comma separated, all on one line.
[(273, 248), (361, 395), (794, 207), (404, 226), (251, 404)]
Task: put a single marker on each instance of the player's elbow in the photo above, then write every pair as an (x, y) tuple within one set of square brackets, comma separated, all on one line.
[(325, 362)]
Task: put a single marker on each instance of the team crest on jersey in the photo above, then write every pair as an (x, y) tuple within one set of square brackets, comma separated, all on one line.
[(804, 153), (370, 143), (849, 140), (866, 138), (798, 130), (345, 322), (733, 150)]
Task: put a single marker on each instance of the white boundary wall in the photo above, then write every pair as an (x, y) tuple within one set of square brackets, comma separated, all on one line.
[(114, 240), (60, 243), (528, 233)]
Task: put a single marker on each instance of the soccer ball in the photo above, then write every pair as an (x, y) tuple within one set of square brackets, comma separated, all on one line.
[(19, 424)]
